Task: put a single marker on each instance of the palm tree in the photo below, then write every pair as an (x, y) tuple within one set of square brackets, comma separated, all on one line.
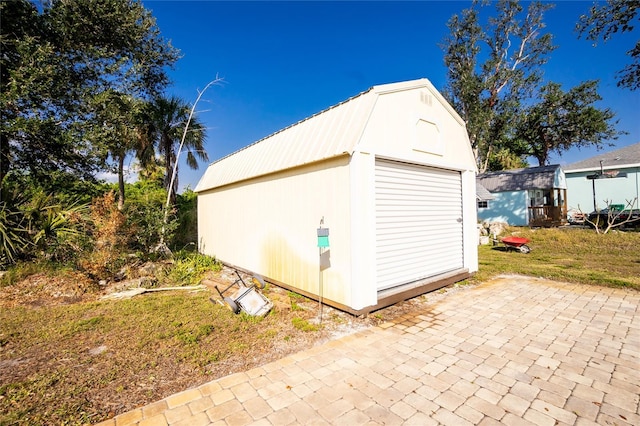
[(119, 130), (169, 118)]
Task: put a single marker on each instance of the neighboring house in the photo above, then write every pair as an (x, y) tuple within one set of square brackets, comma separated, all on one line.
[(483, 196), (611, 178), (389, 172), (534, 196)]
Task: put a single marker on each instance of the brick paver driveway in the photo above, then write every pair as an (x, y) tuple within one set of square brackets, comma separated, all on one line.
[(515, 350)]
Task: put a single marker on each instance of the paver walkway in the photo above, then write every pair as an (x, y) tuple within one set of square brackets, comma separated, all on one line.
[(512, 351)]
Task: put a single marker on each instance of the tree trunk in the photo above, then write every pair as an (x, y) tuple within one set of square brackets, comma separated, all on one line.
[(168, 164), (121, 182)]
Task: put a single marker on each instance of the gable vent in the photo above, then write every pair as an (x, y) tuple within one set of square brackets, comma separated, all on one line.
[(425, 98)]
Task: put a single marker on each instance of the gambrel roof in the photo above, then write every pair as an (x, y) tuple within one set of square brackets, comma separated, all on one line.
[(628, 156), (330, 133), (543, 177)]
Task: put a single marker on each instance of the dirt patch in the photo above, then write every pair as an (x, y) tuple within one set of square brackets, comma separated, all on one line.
[(46, 290), (68, 357)]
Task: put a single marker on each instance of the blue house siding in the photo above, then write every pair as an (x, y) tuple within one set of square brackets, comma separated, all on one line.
[(532, 196), (509, 207), (614, 190), (580, 190)]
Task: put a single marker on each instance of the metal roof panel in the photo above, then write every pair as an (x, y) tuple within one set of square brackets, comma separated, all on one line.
[(519, 179), (327, 134)]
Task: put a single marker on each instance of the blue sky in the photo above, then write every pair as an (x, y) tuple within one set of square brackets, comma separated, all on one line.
[(283, 61)]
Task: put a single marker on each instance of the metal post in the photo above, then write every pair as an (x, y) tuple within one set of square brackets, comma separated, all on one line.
[(323, 243), (320, 283)]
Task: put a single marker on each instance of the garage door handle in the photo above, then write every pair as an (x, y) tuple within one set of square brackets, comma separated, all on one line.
[(459, 220)]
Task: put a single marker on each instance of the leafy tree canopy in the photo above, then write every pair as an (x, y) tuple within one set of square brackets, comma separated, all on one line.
[(495, 81), (606, 19), (493, 68), (59, 60), (561, 120)]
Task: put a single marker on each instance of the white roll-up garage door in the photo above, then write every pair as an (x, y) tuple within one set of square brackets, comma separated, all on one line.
[(418, 222)]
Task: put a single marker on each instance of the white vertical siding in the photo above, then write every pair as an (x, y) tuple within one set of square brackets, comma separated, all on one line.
[(268, 226), (363, 239)]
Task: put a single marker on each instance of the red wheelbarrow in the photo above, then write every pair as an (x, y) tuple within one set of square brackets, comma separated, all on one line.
[(516, 243)]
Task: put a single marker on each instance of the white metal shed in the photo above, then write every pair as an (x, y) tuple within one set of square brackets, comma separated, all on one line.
[(391, 173)]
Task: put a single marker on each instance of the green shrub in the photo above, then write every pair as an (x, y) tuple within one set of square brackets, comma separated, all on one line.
[(13, 234), (34, 224), (186, 234), (189, 268), (145, 216)]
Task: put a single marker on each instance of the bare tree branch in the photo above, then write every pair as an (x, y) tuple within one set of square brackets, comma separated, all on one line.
[(613, 217), (162, 247)]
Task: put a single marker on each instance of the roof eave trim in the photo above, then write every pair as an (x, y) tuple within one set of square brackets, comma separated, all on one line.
[(233, 182), (590, 169)]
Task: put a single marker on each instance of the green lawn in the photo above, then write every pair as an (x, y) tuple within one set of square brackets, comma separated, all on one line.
[(85, 362), (568, 254)]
